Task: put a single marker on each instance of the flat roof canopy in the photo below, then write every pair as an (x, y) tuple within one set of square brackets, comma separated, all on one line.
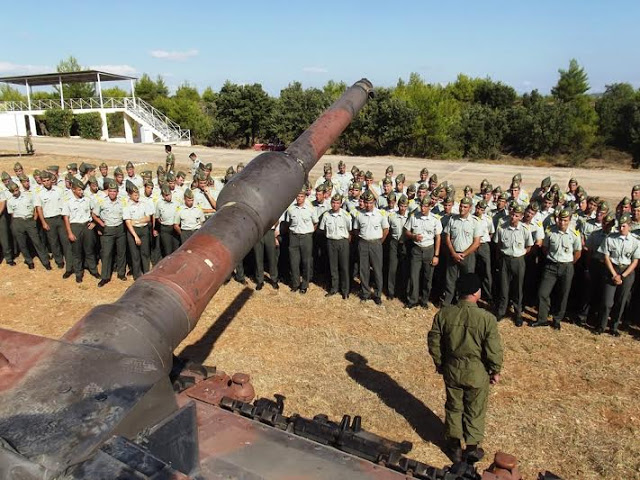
[(86, 76)]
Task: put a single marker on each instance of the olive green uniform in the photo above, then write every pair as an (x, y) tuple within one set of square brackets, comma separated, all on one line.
[(465, 345), (51, 203), (140, 255), (337, 227), (463, 232), (398, 253), (78, 211), (23, 226), (422, 253), (113, 237), (301, 221), (370, 227)]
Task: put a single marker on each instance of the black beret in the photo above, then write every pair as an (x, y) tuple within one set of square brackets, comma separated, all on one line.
[(468, 284)]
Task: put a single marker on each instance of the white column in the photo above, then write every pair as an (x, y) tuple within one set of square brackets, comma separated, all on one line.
[(61, 94), (32, 126), (100, 91), (26, 82), (128, 133), (105, 126), (133, 91)]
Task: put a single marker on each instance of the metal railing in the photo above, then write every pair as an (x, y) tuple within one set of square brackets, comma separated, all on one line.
[(165, 128)]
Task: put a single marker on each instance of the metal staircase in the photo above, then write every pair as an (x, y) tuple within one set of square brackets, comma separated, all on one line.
[(162, 126)]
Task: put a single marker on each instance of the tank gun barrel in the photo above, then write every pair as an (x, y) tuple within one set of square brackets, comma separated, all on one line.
[(162, 307)]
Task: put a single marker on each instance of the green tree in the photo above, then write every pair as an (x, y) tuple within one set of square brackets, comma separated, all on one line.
[(74, 90), (494, 94), (615, 114), (333, 90), (464, 88), (114, 92), (296, 109), (149, 90), (572, 83), (482, 131), (10, 94)]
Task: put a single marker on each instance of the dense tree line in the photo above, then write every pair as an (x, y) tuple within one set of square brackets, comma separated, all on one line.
[(471, 117)]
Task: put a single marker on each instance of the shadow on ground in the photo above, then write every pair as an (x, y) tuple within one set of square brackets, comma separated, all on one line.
[(421, 418)]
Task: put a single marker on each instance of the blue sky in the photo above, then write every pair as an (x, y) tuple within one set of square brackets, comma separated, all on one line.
[(273, 43)]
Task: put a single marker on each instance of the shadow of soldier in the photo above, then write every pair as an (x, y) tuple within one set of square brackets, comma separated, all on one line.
[(425, 423)]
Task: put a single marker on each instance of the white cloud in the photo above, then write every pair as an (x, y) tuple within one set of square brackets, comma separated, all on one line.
[(527, 83), (315, 70), (8, 67), (117, 69), (174, 55)]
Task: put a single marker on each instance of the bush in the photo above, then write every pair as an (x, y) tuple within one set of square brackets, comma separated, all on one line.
[(59, 122), (90, 125)]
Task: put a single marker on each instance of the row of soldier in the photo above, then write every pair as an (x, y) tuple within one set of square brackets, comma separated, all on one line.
[(392, 233)]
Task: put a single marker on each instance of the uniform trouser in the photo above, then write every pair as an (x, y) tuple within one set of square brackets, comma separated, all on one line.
[(483, 269), (186, 235), (24, 229), (454, 270), (59, 242), (338, 252), (319, 256), (370, 257), (266, 246), (169, 240), (512, 270), (155, 248), (591, 289), (113, 237), (398, 263), (465, 411), (5, 237), (561, 273), (615, 296), (140, 255), (421, 258), (300, 251), (533, 263), (84, 248)]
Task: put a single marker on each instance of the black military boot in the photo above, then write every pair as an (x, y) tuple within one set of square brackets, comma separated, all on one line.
[(473, 454), (453, 450)]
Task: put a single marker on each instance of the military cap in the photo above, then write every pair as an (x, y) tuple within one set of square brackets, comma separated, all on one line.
[(609, 218), (13, 187), (514, 185), (23, 178), (146, 174), (130, 186), (484, 183), (516, 178), (17, 166), (546, 182), (337, 198), (387, 181), (467, 188), (209, 166), (165, 190), (635, 204), (328, 184), (433, 178), (44, 175), (93, 180), (580, 197), (485, 190), (603, 205), (564, 213), (389, 169), (423, 186), (72, 166), (571, 206), (104, 165), (82, 168), (354, 170), (403, 200), (129, 164), (117, 171), (534, 206), (445, 184), (171, 177), (321, 188), (635, 188), (426, 201), (580, 190), (517, 208), (555, 188), (448, 199), (367, 196), (465, 201), (468, 284), (230, 171), (391, 197), (549, 196), (148, 183), (624, 218), (188, 193), (327, 168), (239, 166), (625, 201), (53, 168), (498, 189), (424, 171), (573, 180), (411, 188), (201, 167), (76, 183), (181, 174), (357, 186), (503, 196), (400, 178), (341, 164), (110, 184), (368, 175), (198, 177), (160, 169), (306, 185), (36, 173), (482, 204), (162, 177), (449, 190), (69, 176)]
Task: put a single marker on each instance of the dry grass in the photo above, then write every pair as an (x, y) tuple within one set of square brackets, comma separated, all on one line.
[(568, 401)]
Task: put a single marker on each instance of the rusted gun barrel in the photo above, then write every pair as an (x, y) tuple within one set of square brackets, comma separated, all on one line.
[(162, 307)]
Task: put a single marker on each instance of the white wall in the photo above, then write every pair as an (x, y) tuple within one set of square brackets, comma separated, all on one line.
[(8, 123)]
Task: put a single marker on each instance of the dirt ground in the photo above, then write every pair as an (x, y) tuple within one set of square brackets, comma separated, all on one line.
[(568, 401)]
